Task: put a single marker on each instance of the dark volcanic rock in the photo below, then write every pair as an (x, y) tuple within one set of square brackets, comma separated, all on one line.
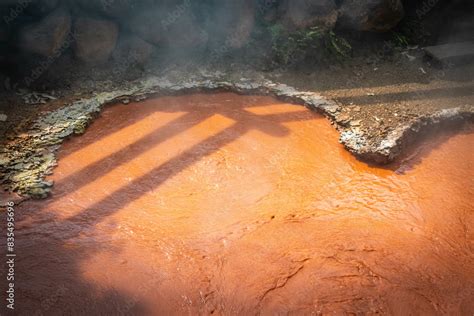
[(299, 14), (233, 22), (41, 7), (169, 25), (46, 36), (371, 15), (132, 50), (147, 25), (118, 9), (4, 33), (95, 39), (181, 29)]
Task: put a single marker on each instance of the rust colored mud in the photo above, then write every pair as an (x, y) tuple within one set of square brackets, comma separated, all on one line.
[(234, 204)]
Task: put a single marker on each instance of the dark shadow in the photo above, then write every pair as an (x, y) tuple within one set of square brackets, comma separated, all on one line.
[(48, 276), (173, 128), (170, 107), (159, 175)]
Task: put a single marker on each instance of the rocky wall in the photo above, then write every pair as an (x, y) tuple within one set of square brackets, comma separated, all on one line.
[(95, 31)]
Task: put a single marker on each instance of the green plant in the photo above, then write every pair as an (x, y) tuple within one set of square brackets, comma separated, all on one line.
[(337, 45), (284, 46), (399, 40), (311, 43)]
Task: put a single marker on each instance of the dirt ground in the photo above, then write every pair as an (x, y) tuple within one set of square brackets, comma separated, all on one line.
[(380, 95), (377, 93)]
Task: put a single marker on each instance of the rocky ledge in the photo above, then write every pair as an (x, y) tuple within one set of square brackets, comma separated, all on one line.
[(28, 158)]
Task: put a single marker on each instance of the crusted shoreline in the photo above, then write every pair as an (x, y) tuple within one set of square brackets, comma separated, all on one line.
[(29, 157)]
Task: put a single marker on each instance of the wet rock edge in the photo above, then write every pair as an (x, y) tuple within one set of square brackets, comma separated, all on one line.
[(29, 157)]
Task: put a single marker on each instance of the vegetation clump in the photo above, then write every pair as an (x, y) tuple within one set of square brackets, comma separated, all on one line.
[(313, 44)]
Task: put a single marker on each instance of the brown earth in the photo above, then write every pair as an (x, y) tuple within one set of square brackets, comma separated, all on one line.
[(378, 94)]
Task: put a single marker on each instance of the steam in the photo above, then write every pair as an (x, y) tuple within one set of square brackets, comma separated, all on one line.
[(182, 31)]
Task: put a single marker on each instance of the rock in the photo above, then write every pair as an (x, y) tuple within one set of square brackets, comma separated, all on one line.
[(46, 36), (145, 24), (95, 39), (5, 26), (355, 123), (3, 118), (371, 15), (35, 97), (169, 25), (117, 9), (343, 118), (181, 29), (132, 50), (41, 7), (268, 10), (233, 22), (300, 14), (4, 33)]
